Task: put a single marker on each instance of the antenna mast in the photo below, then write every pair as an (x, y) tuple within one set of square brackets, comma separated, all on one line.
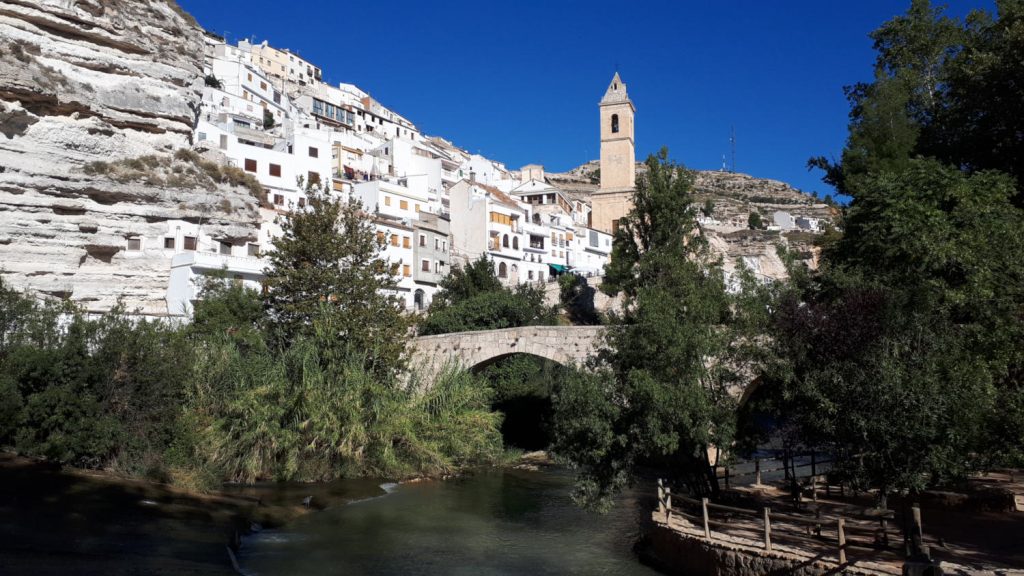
[(732, 142)]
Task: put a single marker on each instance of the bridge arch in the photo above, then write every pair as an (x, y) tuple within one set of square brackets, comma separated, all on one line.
[(566, 345)]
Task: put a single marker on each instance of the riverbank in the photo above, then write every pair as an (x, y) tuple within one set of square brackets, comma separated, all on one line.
[(63, 521)]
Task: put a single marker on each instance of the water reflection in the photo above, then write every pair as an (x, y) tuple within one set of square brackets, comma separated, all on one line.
[(512, 522)]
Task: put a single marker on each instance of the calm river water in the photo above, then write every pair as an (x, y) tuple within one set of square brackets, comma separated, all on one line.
[(496, 522)]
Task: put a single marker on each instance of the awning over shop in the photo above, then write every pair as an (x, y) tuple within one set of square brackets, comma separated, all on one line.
[(558, 268)]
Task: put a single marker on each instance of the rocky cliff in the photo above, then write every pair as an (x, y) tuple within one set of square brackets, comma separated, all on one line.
[(83, 81), (733, 198)]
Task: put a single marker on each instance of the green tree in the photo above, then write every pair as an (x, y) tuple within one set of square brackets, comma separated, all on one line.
[(943, 88), (904, 354), (268, 119), (709, 208), (472, 298), (657, 399), (754, 221), (979, 125), (327, 265), (577, 299)]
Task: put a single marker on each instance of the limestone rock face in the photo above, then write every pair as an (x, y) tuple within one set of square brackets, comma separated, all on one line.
[(83, 81), (734, 197)]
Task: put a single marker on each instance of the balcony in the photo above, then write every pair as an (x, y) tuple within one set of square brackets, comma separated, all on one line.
[(209, 261)]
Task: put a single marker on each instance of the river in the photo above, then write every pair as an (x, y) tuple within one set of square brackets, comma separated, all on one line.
[(491, 523)]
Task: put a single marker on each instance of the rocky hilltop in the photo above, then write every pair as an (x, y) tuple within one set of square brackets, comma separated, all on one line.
[(83, 81), (733, 197)]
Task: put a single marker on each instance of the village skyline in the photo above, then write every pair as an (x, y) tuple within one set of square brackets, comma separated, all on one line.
[(519, 85)]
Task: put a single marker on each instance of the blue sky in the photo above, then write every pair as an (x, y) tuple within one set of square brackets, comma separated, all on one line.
[(519, 81)]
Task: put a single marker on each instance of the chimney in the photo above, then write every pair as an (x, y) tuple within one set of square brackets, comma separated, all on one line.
[(472, 176)]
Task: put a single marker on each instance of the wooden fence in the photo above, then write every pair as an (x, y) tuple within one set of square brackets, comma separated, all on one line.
[(806, 533)]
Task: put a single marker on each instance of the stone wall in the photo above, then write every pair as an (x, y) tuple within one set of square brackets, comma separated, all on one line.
[(566, 345), (603, 303)]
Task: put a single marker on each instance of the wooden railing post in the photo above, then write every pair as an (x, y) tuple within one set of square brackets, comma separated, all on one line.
[(814, 468), (668, 503), (707, 527), (757, 472), (842, 541), (768, 529), (661, 496)]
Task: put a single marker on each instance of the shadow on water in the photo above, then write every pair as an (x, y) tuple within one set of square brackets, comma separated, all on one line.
[(494, 522), (57, 522)]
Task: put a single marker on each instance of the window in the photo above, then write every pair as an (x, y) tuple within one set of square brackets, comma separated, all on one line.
[(134, 244), (225, 248), (530, 274), (423, 241), (417, 208), (406, 270), (313, 177), (615, 226), (250, 77), (250, 165), (501, 219), (254, 249), (387, 200), (394, 239), (615, 123), (302, 202), (275, 170), (168, 243), (425, 265), (444, 245), (437, 243), (313, 152), (403, 204), (515, 243), (502, 270), (278, 200), (380, 237), (504, 241), (406, 242), (190, 242), (263, 85)]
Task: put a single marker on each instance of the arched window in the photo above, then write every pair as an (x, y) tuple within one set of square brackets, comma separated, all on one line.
[(615, 123), (536, 218), (515, 273), (418, 299), (502, 270), (504, 241), (515, 243)]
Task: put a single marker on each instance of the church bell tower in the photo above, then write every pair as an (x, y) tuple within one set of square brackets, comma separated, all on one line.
[(618, 158)]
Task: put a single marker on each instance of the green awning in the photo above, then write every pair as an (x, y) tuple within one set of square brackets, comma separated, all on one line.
[(558, 268)]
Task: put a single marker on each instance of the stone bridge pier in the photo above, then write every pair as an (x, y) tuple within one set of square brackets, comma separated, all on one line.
[(566, 345)]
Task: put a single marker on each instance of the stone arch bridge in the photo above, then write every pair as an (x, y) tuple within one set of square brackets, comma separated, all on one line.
[(567, 345)]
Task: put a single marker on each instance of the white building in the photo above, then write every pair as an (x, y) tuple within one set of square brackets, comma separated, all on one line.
[(395, 208), (486, 221)]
